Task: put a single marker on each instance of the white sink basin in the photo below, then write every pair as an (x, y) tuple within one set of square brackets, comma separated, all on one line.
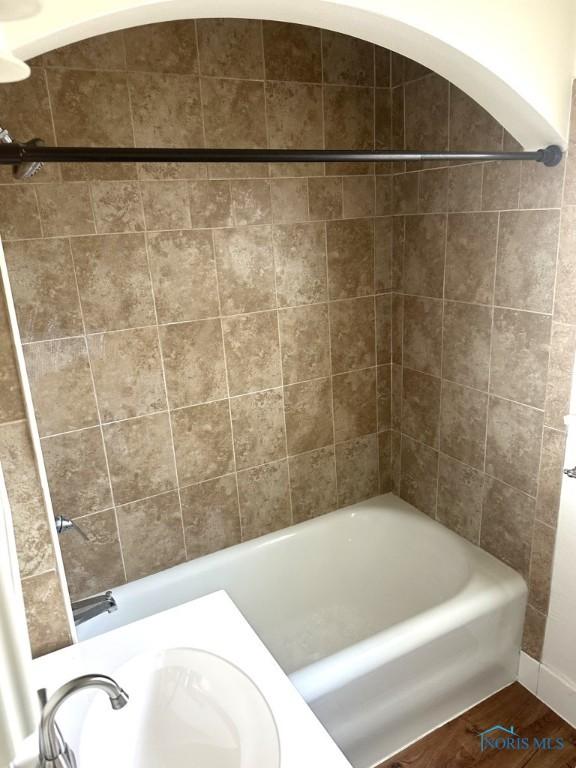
[(187, 709)]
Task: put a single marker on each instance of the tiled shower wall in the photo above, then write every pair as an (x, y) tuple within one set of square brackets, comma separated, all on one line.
[(483, 336), (208, 347)]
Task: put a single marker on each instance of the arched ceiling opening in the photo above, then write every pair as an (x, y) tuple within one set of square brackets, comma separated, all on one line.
[(515, 58)]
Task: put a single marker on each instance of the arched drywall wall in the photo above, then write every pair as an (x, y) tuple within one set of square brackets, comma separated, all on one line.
[(515, 58)]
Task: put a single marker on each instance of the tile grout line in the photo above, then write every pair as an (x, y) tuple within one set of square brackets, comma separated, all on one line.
[(442, 323), (227, 375), (98, 412), (489, 381)]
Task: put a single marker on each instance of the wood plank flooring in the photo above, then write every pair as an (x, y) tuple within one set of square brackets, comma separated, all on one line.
[(457, 744)]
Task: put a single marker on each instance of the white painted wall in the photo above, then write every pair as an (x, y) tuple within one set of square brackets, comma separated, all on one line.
[(515, 57)]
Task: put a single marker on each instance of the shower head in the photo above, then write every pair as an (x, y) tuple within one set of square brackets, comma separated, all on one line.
[(25, 170)]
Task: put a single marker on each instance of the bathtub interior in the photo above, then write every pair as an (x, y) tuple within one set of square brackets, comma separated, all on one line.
[(387, 622)]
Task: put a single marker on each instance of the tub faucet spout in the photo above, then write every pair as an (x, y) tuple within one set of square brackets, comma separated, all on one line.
[(53, 750)]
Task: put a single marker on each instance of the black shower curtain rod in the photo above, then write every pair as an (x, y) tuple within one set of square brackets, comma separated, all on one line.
[(17, 154)]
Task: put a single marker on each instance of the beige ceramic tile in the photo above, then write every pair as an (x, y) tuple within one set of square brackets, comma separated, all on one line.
[(383, 204), (465, 188), (560, 375), (460, 494), (55, 368), (385, 462), (513, 443), (300, 257), (183, 275), (347, 60), (264, 499), (527, 245), (313, 483), (419, 476), (541, 566), (90, 108), (383, 118), (550, 477), (44, 289), (210, 204), (11, 400), (382, 66), (258, 428), (114, 281), (519, 357), (564, 310), (421, 406), (203, 442), (99, 52), (466, 346), (357, 469), (166, 204), (384, 396), (19, 215), (433, 191), (500, 186), (471, 256), (541, 186), (77, 472), (47, 621), (127, 370), (231, 48), (245, 264), (117, 206), (151, 535), (242, 98), (289, 200), (251, 203), (292, 52), (305, 342), (193, 357), (507, 523), (471, 126), (348, 117), (423, 334), (534, 629), (93, 565), (355, 410), (176, 98), (383, 329), (166, 47), (65, 209), (426, 113), (352, 334), (424, 255), (33, 538), (405, 188), (350, 249), (463, 423), (252, 352), (211, 516), (308, 413), (294, 115), (325, 198), (383, 253), (140, 457)]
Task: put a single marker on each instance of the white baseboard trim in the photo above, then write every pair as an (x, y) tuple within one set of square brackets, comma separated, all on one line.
[(554, 690)]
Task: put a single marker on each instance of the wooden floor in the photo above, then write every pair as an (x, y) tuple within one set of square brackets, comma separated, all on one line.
[(457, 744)]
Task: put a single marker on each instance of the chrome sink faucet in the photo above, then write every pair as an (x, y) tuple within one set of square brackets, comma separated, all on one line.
[(53, 750)]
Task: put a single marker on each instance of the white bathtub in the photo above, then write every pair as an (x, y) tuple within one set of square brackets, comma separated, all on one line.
[(388, 623)]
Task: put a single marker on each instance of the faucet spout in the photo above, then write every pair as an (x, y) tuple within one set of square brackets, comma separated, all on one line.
[(53, 750)]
